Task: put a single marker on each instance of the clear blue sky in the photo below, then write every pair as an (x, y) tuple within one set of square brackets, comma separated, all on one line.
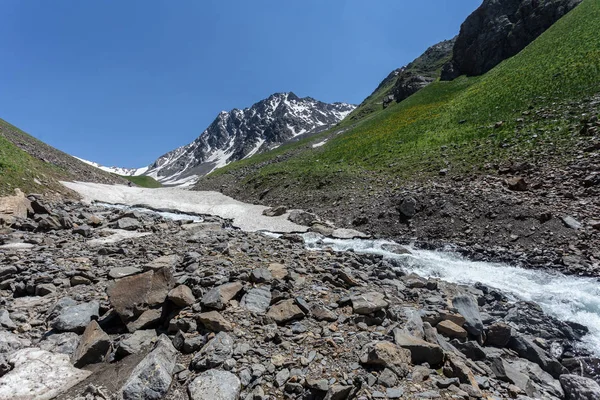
[(121, 82)]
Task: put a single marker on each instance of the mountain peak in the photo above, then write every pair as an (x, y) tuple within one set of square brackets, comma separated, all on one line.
[(241, 133)]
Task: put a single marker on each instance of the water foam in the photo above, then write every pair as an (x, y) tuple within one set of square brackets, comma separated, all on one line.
[(568, 298)]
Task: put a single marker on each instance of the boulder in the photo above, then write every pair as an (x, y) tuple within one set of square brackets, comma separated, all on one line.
[(14, 207), (214, 353), (215, 385), (420, 350), (285, 311), (261, 275), (451, 330), (517, 184), (218, 297), (182, 296), (148, 319), (368, 303), (303, 218), (93, 346), (528, 350), (579, 388), (467, 306), (213, 321), (321, 313), (135, 342), (128, 224), (39, 374), (169, 262), (498, 335), (77, 317), (408, 207), (257, 300), (132, 295), (151, 378), (387, 355)]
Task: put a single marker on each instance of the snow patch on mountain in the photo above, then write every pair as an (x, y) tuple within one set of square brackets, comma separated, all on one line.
[(116, 170)]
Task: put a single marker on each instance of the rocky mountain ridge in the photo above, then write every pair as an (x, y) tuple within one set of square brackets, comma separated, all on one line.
[(242, 133)]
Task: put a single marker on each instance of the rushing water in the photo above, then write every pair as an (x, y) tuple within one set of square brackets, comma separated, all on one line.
[(567, 298)]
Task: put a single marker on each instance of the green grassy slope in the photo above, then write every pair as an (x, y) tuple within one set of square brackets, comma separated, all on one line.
[(19, 170), (456, 123), (143, 181), (34, 166)]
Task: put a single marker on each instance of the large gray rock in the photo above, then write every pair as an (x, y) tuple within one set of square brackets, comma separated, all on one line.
[(40, 375), (215, 385), (420, 350), (128, 224), (285, 311), (257, 299), (532, 352), (579, 388), (122, 272), (76, 318), (5, 320), (499, 29), (93, 346), (132, 295), (136, 342), (214, 353), (151, 378), (217, 298), (368, 303), (388, 355), (65, 343), (468, 308)]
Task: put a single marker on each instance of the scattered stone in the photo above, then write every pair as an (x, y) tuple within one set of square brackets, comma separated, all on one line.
[(517, 184), (451, 330), (274, 211), (408, 207), (77, 317), (217, 298), (213, 321), (468, 308), (388, 355), (498, 335), (152, 377), (5, 320), (285, 311), (261, 275), (257, 299), (420, 350), (368, 303), (93, 346), (182, 296), (128, 224), (148, 319), (579, 388), (215, 385)]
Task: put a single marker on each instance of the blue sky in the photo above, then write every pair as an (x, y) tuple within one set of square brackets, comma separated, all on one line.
[(123, 82)]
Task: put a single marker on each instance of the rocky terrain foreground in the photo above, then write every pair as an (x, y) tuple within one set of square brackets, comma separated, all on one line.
[(108, 304)]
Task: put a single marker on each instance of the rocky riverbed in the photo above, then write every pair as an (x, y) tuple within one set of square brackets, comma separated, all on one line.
[(104, 303)]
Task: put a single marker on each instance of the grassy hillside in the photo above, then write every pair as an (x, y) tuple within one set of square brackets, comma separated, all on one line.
[(143, 181), (462, 124), (19, 170), (34, 166)]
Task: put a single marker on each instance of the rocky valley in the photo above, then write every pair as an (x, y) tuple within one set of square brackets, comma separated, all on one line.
[(441, 240)]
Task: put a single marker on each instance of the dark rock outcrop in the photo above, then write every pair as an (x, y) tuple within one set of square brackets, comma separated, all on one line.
[(499, 29)]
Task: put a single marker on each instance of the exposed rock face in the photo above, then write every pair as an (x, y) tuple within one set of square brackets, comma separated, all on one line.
[(422, 71), (499, 29)]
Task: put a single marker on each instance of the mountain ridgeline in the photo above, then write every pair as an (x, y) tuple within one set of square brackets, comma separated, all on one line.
[(239, 134)]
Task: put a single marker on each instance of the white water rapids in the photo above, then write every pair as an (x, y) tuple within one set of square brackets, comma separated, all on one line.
[(567, 298)]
